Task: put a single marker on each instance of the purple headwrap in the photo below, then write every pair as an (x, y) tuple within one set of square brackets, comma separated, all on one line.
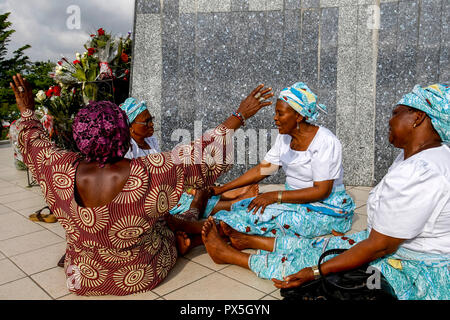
[(101, 132)]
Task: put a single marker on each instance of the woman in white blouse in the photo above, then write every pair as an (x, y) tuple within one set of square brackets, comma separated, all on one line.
[(315, 201), (408, 233)]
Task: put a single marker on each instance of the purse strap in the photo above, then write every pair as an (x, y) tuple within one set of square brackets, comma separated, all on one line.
[(328, 253), (324, 278)]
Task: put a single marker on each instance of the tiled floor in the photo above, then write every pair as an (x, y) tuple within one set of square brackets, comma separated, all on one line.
[(30, 250)]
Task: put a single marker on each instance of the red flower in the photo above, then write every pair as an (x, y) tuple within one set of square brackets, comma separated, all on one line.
[(56, 91), (351, 241), (60, 63), (92, 35), (264, 229), (76, 61), (91, 51), (101, 32), (127, 72), (247, 229), (273, 231), (49, 93), (296, 234), (286, 226), (283, 259), (124, 57)]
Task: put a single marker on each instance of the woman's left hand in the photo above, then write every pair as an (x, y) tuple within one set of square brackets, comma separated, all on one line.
[(23, 92), (262, 201), (296, 279)]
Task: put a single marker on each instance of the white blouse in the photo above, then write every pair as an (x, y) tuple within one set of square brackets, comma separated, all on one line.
[(321, 161), (413, 201), (136, 152)]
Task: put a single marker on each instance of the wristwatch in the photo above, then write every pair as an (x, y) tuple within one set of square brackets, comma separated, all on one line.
[(316, 272)]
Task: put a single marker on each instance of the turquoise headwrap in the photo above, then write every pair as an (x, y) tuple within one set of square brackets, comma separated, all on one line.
[(434, 100), (302, 100), (132, 108)]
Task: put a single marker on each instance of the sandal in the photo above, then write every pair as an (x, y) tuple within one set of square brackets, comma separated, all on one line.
[(61, 261), (48, 218)]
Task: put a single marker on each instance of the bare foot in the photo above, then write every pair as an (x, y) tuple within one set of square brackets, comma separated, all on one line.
[(252, 191), (238, 193), (337, 234), (175, 224), (183, 242), (200, 199), (217, 248), (238, 240)]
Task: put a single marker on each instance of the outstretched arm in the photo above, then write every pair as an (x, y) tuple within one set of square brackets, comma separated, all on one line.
[(377, 245)]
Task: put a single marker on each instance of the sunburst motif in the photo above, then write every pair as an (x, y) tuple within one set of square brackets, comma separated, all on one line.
[(127, 231), (135, 187), (160, 200), (91, 220), (63, 177), (91, 273), (134, 278)]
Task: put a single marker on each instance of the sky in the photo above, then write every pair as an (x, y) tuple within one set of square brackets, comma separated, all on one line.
[(56, 28)]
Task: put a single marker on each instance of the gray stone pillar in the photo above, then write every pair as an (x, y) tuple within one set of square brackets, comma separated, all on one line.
[(194, 60)]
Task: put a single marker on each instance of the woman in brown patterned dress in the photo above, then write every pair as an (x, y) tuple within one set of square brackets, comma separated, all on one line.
[(113, 208)]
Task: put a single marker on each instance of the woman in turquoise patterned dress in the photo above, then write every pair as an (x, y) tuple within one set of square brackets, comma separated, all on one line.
[(408, 229), (315, 201)]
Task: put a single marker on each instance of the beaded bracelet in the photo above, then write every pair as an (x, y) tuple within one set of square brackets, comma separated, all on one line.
[(240, 117)]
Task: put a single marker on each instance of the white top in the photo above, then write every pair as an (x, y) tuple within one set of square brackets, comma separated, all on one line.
[(321, 161), (136, 152), (413, 201)]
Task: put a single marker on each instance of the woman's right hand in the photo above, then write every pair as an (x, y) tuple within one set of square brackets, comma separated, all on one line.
[(255, 101)]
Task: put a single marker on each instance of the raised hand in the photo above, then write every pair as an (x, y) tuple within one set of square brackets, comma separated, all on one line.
[(255, 101), (23, 92)]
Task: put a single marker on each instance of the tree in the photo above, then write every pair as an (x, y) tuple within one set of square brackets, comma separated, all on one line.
[(18, 63)]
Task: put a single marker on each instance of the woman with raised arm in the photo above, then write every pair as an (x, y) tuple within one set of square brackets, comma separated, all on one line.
[(112, 208), (315, 201), (408, 228)]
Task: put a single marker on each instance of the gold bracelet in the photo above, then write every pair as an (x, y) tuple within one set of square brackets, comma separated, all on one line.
[(316, 272), (280, 194)]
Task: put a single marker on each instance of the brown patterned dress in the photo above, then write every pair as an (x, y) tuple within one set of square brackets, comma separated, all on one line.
[(125, 246)]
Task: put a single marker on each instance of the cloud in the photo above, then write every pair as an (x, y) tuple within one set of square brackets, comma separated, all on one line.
[(43, 24)]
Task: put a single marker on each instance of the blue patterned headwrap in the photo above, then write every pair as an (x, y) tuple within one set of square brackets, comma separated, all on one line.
[(132, 108), (302, 100), (434, 100)]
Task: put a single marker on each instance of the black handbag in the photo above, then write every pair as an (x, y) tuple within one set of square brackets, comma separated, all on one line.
[(347, 285)]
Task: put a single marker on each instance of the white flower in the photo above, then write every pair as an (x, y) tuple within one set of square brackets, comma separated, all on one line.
[(78, 55), (40, 96)]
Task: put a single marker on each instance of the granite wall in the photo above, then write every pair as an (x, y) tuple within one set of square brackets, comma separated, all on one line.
[(194, 60)]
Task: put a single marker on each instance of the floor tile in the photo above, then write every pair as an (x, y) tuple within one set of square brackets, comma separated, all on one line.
[(29, 242), (53, 281), (9, 272), (56, 228), (4, 210), (249, 278), (358, 194), (200, 256), (276, 294), (183, 273), (17, 197), (359, 223), (9, 189), (269, 297), (33, 203), (13, 225), (362, 210), (40, 259), (23, 289), (215, 287)]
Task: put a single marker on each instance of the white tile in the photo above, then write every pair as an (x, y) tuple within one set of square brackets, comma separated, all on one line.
[(13, 225), (200, 256), (359, 194), (53, 281), (183, 273), (23, 289), (9, 272), (359, 223), (215, 287), (4, 210), (29, 242), (17, 197), (34, 203), (249, 278), (40, 259), (362, 210)]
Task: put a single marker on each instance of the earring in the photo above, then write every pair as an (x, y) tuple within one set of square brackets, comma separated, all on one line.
[(414, 125)]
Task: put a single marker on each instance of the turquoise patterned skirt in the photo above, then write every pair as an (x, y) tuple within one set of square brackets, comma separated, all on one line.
[(185, 201), (412, 275), (301, 220)]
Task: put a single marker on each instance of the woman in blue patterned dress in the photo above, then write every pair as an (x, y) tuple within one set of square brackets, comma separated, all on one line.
[(315, 201), (408, 229)]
